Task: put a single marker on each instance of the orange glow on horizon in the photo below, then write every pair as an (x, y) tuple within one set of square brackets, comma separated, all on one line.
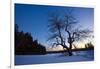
[(77, 45)]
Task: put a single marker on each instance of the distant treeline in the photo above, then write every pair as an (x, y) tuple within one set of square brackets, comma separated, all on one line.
[(89, 45), (73, 50), (25, 45)]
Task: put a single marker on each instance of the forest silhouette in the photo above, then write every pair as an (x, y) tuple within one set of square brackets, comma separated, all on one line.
[(25, 45)]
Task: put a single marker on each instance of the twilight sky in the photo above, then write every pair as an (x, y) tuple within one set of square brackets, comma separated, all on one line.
[(34, 18)]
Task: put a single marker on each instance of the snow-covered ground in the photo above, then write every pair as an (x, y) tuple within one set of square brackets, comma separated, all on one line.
[(54, 58)]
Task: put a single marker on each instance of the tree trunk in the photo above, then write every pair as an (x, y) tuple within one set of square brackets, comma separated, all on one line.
[(70, 46), (68, 49), (70, 52)]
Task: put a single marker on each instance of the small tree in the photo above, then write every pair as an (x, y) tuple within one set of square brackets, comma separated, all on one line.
[(89, 45)]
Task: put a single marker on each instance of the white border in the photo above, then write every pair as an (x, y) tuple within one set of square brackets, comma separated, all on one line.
[(4, 34), (78, 3), (12, 36)]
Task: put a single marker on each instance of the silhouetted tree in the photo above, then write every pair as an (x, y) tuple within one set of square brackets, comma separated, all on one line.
[(67, 23), (74, 33), (56, 26)]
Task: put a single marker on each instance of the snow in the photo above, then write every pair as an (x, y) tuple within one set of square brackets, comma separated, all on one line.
[(54, 58)]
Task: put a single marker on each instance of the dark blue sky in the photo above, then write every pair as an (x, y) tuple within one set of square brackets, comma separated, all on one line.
[(34, 18)]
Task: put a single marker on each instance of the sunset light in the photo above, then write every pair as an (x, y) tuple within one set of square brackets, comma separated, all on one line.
[(53, 34)]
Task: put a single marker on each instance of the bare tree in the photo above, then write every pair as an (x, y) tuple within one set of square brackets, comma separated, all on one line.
[(67, 23), (56, 26), (74, 33)]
